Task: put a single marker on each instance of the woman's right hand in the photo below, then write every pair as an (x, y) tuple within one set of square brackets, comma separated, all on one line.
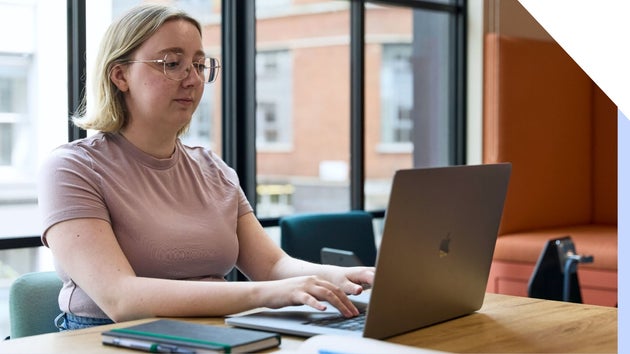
[(305, 290)]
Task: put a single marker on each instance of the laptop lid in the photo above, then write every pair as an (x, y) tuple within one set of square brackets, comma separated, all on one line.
[(434, 258)]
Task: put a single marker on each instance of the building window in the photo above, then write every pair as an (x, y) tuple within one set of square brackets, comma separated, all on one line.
[(202, 125), (13, 107), (268, 122), (274, 96), (396, 94)]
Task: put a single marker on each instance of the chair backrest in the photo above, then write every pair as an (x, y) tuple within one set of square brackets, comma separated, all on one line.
[(543, 114), (551, 279), (33, 304), (304, 235)]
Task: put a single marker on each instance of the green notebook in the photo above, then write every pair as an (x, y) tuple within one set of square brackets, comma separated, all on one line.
[(170, 336)]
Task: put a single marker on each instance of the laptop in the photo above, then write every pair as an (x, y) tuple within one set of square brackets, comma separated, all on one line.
[(433, 262)]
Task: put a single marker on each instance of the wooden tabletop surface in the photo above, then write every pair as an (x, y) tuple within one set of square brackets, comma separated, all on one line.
[(504, 324)]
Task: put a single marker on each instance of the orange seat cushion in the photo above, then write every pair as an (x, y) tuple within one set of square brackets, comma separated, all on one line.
[(600, 241)]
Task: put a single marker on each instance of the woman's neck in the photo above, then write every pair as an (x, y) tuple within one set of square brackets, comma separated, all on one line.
[(158, 146)]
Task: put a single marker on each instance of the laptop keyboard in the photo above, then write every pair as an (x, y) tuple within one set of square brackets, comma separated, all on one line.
[(351, 324)]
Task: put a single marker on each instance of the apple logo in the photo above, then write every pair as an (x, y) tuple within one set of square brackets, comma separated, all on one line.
[(445, 245)]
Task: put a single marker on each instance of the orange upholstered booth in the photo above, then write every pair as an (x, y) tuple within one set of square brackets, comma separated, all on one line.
[(543, 114)]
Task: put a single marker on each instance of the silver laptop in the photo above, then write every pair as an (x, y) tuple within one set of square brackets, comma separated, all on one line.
[(433, 262)]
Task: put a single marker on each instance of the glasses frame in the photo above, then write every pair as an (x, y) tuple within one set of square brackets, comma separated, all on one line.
[(209, 63)]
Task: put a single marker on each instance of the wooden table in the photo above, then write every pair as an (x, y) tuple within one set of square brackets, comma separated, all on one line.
[(511, 324), (504, 324)]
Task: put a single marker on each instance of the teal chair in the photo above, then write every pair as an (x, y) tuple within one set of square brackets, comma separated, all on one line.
[(33, 304), (304, 235)]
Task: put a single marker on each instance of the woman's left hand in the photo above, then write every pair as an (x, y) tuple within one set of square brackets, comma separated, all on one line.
[(352, 280)]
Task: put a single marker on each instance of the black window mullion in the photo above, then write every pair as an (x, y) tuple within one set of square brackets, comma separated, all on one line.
[(457, 75), (357, 104), (76, 63), (461, 83), (239, 92), (422, 4)]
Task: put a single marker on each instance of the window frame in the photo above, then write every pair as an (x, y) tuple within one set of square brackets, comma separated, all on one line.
[(239, 94)]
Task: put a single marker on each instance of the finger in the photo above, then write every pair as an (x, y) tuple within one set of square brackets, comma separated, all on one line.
[(364, 278), (318, 289), (358, 279), (314, 303), (345, 306), (353, 288), (336, 297)]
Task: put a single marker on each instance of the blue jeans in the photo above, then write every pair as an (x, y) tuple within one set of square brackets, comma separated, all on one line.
[(68, 321)]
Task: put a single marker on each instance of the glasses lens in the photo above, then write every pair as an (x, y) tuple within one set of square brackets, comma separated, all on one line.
[(174, 68)]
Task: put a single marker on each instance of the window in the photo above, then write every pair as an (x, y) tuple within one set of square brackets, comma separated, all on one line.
[(203, 10), (303, 66), (302, 106), (13, 107), (33, 105), (203, 130), (396, 96), (413, 107), (274, 107), (33, 121)]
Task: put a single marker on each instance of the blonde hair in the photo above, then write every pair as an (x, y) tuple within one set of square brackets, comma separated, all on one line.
[(121, 39)]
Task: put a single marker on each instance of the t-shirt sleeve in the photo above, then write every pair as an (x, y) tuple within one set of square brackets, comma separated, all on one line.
[(69, 188), (244, 206)]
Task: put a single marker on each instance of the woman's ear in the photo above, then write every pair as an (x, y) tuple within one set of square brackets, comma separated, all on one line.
[(118, 75)]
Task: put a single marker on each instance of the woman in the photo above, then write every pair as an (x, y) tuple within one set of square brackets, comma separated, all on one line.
[(141, 225)]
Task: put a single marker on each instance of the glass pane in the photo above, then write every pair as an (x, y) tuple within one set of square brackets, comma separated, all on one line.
[(33, 105), (205, 127), (407, 94), (303, 109), (33, 116)]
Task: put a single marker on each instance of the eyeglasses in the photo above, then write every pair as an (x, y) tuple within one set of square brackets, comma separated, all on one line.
[(175, 68)]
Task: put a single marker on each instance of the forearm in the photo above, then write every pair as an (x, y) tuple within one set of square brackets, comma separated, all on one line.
[(287, 267), (138, 297)]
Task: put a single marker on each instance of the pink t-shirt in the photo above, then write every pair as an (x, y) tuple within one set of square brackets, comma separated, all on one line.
[(174, 218)]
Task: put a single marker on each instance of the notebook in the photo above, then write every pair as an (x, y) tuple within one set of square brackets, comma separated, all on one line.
[(434, 259), (172, 336)]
